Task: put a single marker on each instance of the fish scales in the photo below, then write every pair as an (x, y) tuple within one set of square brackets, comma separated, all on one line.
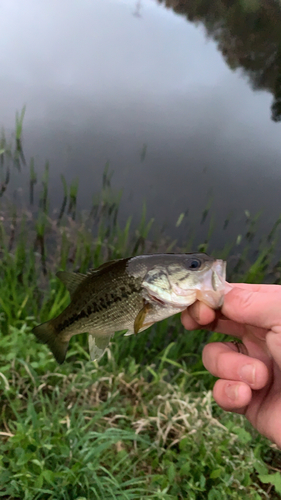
[(131, 294), (107, 300)]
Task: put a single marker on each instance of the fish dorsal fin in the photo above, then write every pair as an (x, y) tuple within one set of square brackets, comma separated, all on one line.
[(71, 280), (102, 267)]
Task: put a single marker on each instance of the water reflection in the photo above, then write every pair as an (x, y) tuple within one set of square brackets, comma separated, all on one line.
[(138, 85), (248, 35)]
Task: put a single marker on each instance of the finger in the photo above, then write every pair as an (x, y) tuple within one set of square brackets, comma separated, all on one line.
[(197, 315), (200, 314), (229, 327), (273, 341), (254, 287), (222, 361), (232, 395), (216, 322), (253, 308), (188, 322)]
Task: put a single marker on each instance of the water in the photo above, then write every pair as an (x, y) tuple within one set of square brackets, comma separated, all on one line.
[(140, 86)]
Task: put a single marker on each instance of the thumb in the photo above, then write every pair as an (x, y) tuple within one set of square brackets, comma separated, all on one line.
[(273, 341), (256, 308)]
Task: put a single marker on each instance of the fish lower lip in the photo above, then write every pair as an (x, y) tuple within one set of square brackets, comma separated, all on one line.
[(216, 280), (221, 271), (218, 274)]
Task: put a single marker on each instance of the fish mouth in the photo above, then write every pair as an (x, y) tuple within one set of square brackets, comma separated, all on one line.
[(212, 288), (156, 299)]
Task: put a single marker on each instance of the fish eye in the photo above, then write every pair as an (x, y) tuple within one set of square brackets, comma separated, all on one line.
[(193, 263)]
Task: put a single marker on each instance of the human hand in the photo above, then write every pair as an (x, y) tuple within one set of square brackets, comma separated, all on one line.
[(249, 373)]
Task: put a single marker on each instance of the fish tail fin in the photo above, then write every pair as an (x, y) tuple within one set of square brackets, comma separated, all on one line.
[(48, 334)]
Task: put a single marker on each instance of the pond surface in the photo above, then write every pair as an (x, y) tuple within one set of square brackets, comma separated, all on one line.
[(165, 95)]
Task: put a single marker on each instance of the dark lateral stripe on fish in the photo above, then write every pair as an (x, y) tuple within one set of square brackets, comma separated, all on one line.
[(103, 304)]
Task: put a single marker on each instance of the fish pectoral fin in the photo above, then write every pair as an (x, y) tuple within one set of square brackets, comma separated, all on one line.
[(139, 322), (144, 327), (71, 280), (97, 345)]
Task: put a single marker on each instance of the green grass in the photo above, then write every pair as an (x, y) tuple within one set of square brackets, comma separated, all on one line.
[(89, 431), (141, 423)]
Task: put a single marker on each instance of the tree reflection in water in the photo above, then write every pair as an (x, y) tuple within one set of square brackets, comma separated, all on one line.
[(248, 34)]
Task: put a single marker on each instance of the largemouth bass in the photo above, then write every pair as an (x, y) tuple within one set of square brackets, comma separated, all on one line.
[(131, 294)]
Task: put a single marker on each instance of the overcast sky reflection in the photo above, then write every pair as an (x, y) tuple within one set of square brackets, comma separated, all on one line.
[(99, 83)]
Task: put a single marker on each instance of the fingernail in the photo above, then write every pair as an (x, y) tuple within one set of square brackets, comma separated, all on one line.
[(248, 374), (232, 391), (227, 288)]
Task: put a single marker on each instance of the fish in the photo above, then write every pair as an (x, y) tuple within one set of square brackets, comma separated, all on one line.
[(131, 294)]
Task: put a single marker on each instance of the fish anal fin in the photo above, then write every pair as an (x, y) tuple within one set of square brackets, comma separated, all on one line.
[(71, 280), (97, 345)]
